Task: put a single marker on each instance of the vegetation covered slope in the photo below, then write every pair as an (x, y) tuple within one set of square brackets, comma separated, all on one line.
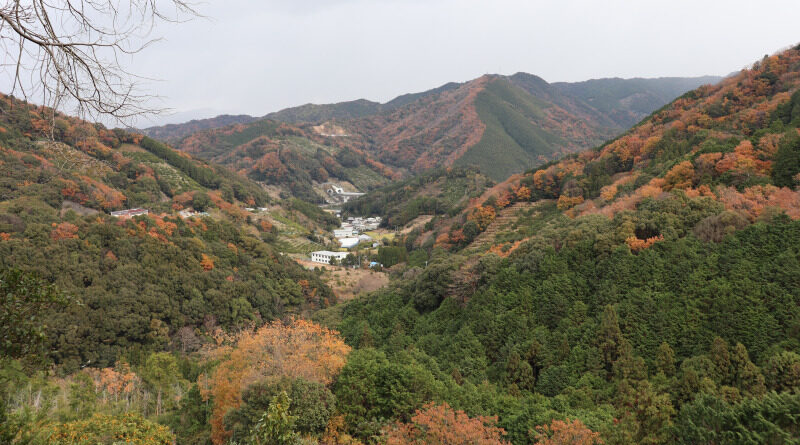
[(173, 133), (322, 113), (436, 192), (651, 293), (500, 124), (522, 131), (138, 281), (733, 143), (313, 113), (503, 124), (293, 158), (628, 101)]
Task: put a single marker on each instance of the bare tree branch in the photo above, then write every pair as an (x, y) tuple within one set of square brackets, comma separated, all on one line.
[(71, 49)]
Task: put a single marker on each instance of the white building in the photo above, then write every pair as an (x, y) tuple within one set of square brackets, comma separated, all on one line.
[(130, 213), (324, 256), (344, 233), (348, 242)]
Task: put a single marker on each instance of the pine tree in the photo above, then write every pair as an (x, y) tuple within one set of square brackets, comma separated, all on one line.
[(665, 359)]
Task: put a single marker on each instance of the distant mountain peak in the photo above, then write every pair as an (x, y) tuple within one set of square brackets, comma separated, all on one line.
[(500, 124)]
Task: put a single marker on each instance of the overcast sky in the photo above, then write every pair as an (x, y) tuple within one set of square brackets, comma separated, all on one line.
[(258, 56)]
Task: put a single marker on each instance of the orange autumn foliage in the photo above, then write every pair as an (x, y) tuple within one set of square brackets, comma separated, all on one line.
[(443, 240), (505, 249), (457, 236), (231, 210), (637, 244), (504, 200), (566, 202), (679, 176), (265, 225), (441, 425), (608, 192), (560, 432), (299, 348), (701, 191), (113, 382), (207, 263), (64, 230), (183, 199), (483, 216), (753, 200), (106, 197), (335, 433), (523, 193)]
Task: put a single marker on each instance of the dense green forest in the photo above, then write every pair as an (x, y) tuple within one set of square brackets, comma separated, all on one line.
[(521, 132), (623, 341), (135, 282), (650, 292), (437, 192)]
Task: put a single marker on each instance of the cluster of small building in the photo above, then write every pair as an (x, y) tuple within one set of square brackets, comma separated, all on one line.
[(362, 224), (349, 235)]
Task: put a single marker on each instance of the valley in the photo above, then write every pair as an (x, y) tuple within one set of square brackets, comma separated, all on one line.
[(498, 261)]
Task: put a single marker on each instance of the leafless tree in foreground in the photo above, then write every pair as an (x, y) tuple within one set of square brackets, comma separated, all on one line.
[(67, 52)]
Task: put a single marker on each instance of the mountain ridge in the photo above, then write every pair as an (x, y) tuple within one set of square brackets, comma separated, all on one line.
[(500, 124), (316, 113)]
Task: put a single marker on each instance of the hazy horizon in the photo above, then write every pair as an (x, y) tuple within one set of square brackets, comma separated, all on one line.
[(206, 113), (256, 58)]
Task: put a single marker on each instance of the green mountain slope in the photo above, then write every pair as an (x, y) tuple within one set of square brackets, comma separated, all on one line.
[(500, 124), (647, 288), (435, 192), (297, 160), (173, 133), (627, 101), (523, 131), (322, 113), (136, 282)]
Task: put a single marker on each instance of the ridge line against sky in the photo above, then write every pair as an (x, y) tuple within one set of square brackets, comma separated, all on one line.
[(259, 57)]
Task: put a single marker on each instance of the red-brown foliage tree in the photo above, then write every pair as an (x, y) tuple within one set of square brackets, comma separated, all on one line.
[(441, 425)]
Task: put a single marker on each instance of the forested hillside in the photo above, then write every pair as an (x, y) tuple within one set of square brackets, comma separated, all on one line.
[(437, 192), (313, 113), (296, 159), (647, 290), (499, 124), (173, 133), (627, 101), (502, 125), (136, 283)]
